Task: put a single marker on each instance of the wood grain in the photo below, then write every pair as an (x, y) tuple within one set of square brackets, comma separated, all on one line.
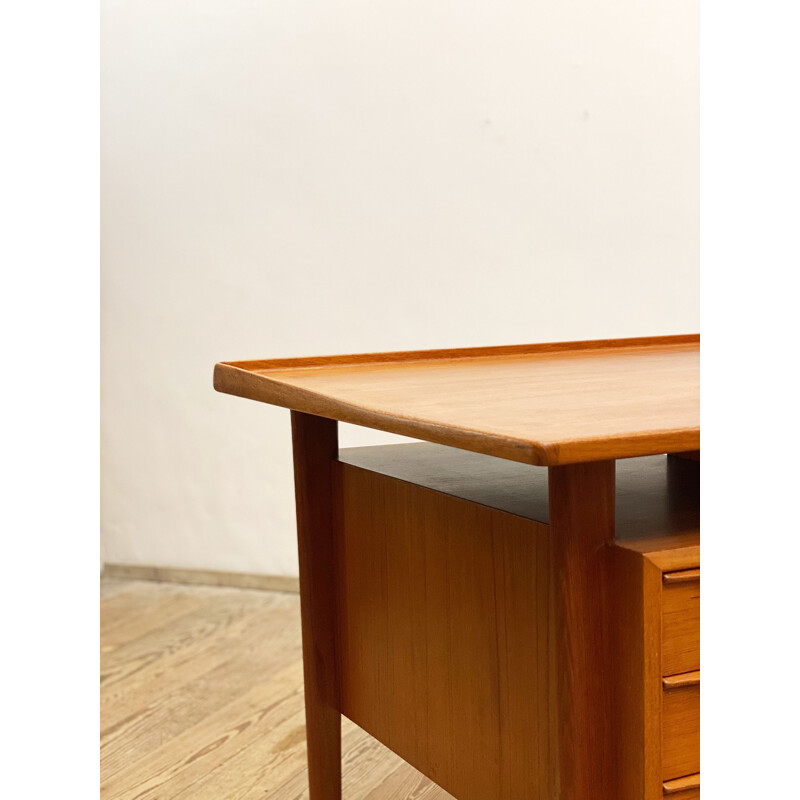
[(152, 608), (161, 637), (315, 444), (681, 622), (539, 404), (636, 675), (446, 634), (651, 671), (582, 528), (154, 684), (209, 727), (680, 747), (628, 684)]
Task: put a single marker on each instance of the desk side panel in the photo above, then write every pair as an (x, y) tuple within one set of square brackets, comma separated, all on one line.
[(637, 675), (445, 635)]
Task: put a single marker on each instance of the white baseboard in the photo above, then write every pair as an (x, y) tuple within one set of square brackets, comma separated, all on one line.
[(203, 577)]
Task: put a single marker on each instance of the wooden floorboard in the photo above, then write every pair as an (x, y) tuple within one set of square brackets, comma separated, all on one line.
[(202, 699)]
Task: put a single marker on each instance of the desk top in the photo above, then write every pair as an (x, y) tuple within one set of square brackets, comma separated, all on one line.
[(541, 404)]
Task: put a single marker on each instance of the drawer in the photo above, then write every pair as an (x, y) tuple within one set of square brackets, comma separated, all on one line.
[(680, 726), (688, 794), (680, 622), (687, 788)]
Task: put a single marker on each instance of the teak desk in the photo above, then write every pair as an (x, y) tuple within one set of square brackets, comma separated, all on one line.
[(509, 607)]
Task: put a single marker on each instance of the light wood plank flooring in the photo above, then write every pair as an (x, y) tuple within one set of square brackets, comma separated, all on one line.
[(202, 699)]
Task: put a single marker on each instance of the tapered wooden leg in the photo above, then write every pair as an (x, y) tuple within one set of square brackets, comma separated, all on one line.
[(315, 448), (582, 523)]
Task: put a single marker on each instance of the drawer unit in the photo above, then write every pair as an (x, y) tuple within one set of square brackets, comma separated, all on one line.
[(657, 606), (680, 726), (680, 622)]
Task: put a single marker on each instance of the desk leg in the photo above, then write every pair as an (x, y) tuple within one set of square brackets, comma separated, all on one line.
[(582, 523), (316, 446)]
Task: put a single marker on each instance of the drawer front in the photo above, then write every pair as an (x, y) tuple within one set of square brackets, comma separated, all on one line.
[(689, 794), (680, 729), (680, 622), (687, 788)]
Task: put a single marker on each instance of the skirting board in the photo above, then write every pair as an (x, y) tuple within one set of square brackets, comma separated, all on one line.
[(203, 577)]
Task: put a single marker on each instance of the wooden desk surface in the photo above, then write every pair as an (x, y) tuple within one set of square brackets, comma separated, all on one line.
[(538, 404)]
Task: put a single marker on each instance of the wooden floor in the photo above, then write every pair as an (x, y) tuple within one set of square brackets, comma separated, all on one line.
[(202, 699)]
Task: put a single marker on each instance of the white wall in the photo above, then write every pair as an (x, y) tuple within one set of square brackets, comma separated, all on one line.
[(327, 176)]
